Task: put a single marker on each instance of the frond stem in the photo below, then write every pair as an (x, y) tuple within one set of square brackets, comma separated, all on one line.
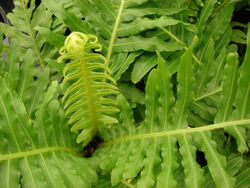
[(31, 36), (179, 131), (89, 91), (35, 152), (179, 41), (112, 39), (127, 184), (208, 94)]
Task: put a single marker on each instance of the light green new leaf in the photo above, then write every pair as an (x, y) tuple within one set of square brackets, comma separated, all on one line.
[(89, 98)]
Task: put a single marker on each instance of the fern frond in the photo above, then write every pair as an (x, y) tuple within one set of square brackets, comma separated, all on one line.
[(24, 18), (39, 153), (205, 14), (23, 77), (217, 28), (244, 176), (242, 99), (124, 26), (88, 99), (164, 144)]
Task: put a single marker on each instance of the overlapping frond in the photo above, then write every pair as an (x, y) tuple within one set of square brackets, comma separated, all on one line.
[(165, 144), (24, 18), (189, 127), (39, 153), (88, 99), (125, 27), (23, 77), (37, 148)]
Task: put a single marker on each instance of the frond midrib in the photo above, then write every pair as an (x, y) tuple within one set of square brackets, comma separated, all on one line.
[(23, 154), (115, 29), (31, 35), (178, 132), (90, 97)]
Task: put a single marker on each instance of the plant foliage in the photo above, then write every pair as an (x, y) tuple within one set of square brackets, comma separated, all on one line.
[(35, 149), (125, 93), (86, 99)]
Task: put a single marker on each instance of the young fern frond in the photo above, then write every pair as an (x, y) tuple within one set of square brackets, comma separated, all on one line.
[(88, 98)]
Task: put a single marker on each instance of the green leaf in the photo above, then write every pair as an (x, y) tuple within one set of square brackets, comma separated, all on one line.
[(39, 155), (205, 14), (205, 72), (242, 99), (238, 36), (184, 96), (125, 59), (217, 163), (142, 66), (88, 98), (229, 89), (55, 39), (142, 24), (111, 21), (132, 93), (131, 14), (70, 19), (219, 24), (135, 43), (185, 124), (24, 18), (243, 178), (153, 143)]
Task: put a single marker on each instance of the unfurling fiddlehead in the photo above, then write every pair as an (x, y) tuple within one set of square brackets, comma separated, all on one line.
[(88, 98)]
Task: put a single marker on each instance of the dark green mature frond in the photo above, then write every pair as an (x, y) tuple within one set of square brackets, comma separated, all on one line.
[(39, 153), (124, 27), (242, 99), (151, 154), (88, 99), (24, 18), (217, 28), (23, 77), (37, 148), (243, 178)]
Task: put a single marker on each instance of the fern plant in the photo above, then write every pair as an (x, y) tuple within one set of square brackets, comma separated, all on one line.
[(125, 94)]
